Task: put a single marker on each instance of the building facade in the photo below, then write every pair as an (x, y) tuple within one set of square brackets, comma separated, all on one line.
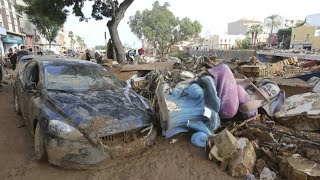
[(292, 23), (222, 42), (306, 37), (3, 33), (241, 26), (11, 22)]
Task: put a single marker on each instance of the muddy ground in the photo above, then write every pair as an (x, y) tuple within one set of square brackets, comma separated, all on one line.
[(167, 161)]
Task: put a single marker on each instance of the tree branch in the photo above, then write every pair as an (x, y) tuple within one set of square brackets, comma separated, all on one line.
[(123, 7)]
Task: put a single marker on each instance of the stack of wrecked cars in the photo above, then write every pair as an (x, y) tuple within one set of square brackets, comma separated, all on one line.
[(79, 113), (241, 113)]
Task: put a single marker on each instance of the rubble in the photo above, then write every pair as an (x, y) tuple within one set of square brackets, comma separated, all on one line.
[(286, 69), (260, 165), (214, 155), (244, 161), (312, 154), (293, 86), (185, 98), (301, 112), (226, 143), (148, 67), (185, 75), (297, 167), (266, 174), (315, 83)]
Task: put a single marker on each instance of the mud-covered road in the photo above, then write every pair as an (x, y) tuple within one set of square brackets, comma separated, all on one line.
[(166, 161)]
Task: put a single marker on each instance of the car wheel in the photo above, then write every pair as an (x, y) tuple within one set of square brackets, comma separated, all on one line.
[(39, 145), (16, 104)]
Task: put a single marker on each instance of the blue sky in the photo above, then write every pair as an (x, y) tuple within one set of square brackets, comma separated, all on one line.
[(213, 15)]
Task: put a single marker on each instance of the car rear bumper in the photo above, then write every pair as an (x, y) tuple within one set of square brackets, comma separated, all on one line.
[(81, 155)]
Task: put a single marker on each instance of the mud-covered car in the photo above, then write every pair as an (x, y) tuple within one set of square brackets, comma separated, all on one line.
[(23, 61), (80, 114)]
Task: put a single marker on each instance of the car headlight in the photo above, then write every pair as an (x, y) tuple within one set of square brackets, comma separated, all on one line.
[(65, 131)]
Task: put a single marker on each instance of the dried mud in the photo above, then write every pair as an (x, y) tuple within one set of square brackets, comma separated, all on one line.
[(176, 161)]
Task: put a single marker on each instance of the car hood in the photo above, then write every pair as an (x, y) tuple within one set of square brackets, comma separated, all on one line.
[(104, 112)]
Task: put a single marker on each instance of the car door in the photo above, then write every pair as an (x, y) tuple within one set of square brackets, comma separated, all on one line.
[(28, 94), (20, 88)]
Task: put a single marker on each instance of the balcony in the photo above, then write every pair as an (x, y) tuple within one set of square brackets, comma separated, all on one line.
[(301, 42), (36, 38)]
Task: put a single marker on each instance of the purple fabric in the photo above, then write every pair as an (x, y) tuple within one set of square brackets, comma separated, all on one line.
[(230, 93)]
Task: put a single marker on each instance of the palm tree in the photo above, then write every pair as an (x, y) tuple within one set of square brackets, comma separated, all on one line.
[(80, 41), (254, 31), (273, 23)]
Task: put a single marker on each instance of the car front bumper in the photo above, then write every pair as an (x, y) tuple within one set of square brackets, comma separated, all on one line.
[(81, 155)]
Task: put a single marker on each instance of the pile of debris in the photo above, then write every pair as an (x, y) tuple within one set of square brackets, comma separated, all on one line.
[(280, 139)]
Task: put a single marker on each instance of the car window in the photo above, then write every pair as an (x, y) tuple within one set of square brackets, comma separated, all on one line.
[(23, 76), (31, 72), (79, 77)]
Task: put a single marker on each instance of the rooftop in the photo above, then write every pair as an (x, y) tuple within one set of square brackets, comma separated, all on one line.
[(248, 21)]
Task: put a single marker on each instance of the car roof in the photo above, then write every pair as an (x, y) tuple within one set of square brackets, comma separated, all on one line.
[(27, 57), (46, 60)]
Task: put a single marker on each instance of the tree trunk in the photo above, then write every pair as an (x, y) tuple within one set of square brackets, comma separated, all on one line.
[(119, 55), (117, 16), (270, 35), (255, 40), (252, 39), (114, 52)]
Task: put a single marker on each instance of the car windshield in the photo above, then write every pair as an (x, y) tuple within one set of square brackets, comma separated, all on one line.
[(79, 77)]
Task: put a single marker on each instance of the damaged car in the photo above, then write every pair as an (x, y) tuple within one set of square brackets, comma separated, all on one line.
[(80, 114)]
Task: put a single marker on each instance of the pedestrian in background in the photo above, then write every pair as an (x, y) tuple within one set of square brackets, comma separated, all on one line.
[(39, 53), (30, 51), (88, 55), (13, 58), (22, 52)]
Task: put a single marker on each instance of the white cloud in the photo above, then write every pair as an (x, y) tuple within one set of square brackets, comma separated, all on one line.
[(213, 15)]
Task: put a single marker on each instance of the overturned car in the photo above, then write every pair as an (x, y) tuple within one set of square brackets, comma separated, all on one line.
[(79, 114)]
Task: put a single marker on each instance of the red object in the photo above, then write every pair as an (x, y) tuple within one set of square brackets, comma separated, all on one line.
[(308, 64), (141, 51)]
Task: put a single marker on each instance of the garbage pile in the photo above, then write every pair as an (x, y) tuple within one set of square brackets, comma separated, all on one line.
[(238, 112)]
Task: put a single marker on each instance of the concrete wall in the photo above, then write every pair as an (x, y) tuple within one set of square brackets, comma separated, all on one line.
[(229, 54)]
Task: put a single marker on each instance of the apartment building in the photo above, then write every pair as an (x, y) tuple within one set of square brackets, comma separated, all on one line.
[(14, 38), (222, 42), (241, 26), (306, 37)]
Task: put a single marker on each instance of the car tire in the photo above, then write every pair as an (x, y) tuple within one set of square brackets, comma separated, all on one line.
[(39, 145), (16, 104)]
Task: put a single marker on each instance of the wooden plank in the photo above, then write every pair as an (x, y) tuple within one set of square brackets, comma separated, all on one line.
[(163, 109), (148, 67)]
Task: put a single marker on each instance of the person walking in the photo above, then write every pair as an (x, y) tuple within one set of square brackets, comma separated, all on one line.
[(13, 58), (22, 52)]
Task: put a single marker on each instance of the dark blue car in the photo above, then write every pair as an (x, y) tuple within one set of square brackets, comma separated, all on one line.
[(79, 113)]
